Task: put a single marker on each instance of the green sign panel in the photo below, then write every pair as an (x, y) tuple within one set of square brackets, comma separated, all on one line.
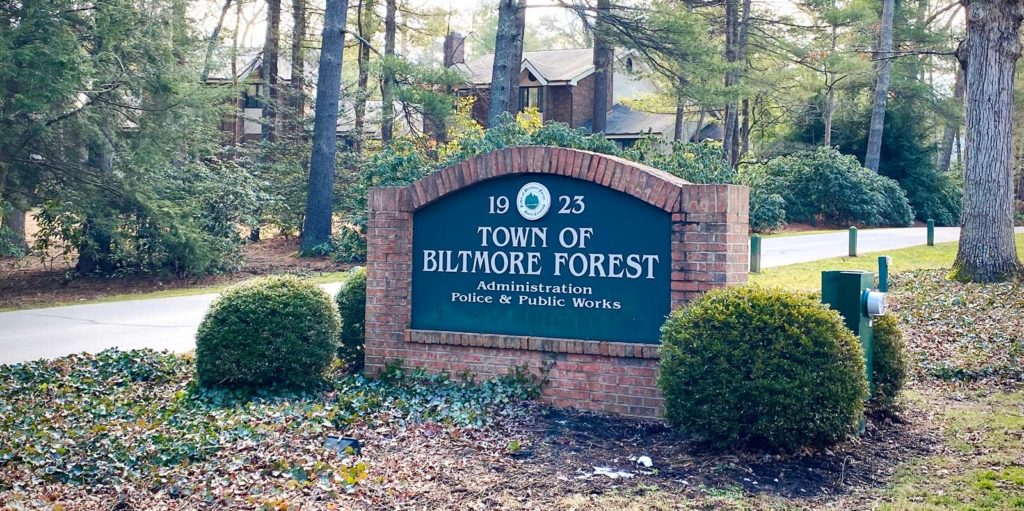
[(545, 256)]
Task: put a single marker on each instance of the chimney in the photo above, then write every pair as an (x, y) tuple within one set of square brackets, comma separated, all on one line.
[(454, 49)]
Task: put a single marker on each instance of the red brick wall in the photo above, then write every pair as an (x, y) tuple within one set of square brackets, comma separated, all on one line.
[(709, 249), (482, 106), (559, 104), (583, 100)]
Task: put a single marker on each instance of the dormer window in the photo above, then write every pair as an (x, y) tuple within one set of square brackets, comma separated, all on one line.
[(629, 64), (529, 76)]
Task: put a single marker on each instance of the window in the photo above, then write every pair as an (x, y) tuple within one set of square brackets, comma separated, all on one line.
[(251, 96), (629, 64), (531, 97)]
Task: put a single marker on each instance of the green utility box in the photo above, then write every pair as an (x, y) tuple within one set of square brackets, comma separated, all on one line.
[(849, 292)]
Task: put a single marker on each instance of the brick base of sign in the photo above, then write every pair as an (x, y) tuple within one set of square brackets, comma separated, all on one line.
[(604, 383), (709, 250)]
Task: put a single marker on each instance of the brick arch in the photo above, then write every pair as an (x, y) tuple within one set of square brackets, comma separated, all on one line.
[(653, 186)]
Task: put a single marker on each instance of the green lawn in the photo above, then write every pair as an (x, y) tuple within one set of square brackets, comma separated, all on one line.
[(807, 276), (979, 469)]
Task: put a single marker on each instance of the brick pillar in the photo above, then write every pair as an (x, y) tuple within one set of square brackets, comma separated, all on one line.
[(389, 265), (709, 240)]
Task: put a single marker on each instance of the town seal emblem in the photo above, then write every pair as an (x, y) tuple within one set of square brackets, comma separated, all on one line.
[(533, 201)]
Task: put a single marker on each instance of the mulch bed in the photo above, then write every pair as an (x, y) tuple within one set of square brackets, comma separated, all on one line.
[(561, 449)]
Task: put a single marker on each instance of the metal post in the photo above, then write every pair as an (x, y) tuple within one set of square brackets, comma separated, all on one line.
[(931, 232), (883, 273), (853, 241), (755, 254), (844, 292)]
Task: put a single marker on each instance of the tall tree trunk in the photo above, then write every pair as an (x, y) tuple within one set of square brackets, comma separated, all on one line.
[(95, 250), (731, 77), (316, 228), (297, 99), (4, 168), (737, 25), (505, 63), (602, 66), (830, 93), (517, 57), (826, 115), (271, 50), (212, 43), (745, 128), (677, 128), (14, 222), (743, 34), (387, 86), (239, 127), (364, 14), (700, 125), (989, 56), (883, 58), (952, 127)]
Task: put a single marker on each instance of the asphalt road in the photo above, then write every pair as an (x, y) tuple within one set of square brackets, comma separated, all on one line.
[(159, 323), (171, 323), (811, 247)]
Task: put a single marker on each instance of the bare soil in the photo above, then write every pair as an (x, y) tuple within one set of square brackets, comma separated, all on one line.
[(560, 450)]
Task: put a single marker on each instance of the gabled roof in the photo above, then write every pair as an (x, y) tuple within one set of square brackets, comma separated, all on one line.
[(625, 122), (552, 67), (249, 61)]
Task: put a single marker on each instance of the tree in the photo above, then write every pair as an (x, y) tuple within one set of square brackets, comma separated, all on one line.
[(602, 66), (883, 57), (517, 57), (107, 130), (316, 230), (297, 97), (387, 84), (989, 56), (214, 40), (506, 65), (949, 132), (271, 51), (14, 228), (366, 26), (737, 24)]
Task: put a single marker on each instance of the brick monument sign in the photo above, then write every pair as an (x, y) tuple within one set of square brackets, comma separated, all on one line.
[(560, 260)]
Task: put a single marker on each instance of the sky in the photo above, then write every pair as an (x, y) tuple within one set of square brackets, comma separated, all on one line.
[(207, 11)]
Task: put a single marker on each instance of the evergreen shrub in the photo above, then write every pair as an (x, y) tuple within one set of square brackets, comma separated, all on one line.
[(889, 368), (761, 367), (274, 330), (351, 302)]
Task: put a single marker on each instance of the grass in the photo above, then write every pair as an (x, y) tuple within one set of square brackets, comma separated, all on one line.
[(807, 276), (321, 278), (981, 469)]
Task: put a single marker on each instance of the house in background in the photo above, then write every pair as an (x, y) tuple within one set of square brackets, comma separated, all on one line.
[(243, 123), (561, 83)]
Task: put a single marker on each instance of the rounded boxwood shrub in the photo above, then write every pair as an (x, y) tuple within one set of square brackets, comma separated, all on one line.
[(351, 301), (267, 331), (761, 367), (889, 368)]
